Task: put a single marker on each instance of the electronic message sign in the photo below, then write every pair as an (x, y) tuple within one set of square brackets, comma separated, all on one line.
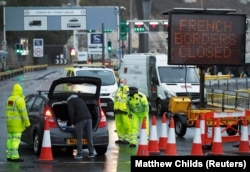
[(206, 39)]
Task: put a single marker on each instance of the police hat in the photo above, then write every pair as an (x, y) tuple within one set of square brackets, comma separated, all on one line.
[(133, 90)]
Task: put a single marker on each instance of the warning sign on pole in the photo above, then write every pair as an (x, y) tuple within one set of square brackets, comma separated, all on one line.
[(38, 47)]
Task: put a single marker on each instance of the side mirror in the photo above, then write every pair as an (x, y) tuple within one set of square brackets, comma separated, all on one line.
[(154, 80)]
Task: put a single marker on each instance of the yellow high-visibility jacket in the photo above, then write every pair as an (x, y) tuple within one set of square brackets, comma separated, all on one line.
[(120, 99), (16, 113)]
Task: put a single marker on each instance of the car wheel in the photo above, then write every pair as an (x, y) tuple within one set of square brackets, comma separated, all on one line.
[(232, 131), (101, 150), (37, 143), (180, 125)]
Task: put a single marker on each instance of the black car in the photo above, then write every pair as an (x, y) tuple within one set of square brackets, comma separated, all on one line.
[(52, 105)]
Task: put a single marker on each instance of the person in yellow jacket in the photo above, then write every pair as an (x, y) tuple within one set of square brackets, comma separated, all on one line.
[(16, 122), (138, 109), (122, 121)]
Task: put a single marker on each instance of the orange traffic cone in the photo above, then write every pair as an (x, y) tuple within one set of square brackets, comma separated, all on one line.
[(164, 133), (171, 143), (197, 145), (153, 145), (244, 141), (46, 151), (143, 142), (217, 141), (202, 128)]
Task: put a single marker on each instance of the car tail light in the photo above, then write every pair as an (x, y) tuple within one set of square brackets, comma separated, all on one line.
[(103, 120), (48, 114)]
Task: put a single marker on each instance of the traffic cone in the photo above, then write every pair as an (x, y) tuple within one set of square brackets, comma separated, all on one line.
[(202, 128), (46, 151), (153, 144), (244, 141), (197, 145), (164, 133), (171, 143), (143, 142), (217, 141)]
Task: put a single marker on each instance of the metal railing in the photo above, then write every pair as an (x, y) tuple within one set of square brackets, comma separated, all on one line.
[(227, 99), (227, 83), (14, 72)]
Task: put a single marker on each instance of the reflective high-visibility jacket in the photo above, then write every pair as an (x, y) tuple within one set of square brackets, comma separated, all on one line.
[(138, 104), (120, 99), (16, 113)]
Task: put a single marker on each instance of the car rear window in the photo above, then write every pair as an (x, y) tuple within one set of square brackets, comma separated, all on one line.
[(106, 76), (76, 88)]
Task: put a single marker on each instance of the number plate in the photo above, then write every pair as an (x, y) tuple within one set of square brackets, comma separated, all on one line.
[(74, 141), (103, 104)]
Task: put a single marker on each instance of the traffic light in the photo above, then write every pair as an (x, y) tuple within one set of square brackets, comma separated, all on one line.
[(107, 30), (72, 52), (139, 27), (90, 30), (123, 29), (165, 26), (18, 48), (154, 26), (109, 46)]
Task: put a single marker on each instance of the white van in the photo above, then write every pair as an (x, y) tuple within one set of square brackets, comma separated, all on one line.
[(82, 57), (109, 82), (151, 74)]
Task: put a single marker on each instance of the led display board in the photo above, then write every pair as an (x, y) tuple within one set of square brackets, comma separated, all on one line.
[(206, 39)]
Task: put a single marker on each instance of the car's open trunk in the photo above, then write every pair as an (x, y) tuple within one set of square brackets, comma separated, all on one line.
[(62, 117)]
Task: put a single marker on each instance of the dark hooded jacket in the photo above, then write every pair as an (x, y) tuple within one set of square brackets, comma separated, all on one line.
[(78, 109)]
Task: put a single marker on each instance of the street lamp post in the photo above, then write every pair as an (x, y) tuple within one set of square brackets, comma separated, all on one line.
[(130, 27), (4, 42), (121, 11)]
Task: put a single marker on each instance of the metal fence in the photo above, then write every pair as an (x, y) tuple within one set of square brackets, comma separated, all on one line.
[(227, 83), (227, 99)]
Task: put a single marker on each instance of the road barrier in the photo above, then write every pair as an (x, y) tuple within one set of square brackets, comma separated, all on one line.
[(217, 77), (34, 68), (14, 72), (230, 122), (212, 129)]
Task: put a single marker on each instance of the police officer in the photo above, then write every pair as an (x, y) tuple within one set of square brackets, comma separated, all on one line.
[(122, 121), (138, 109), (16, 121)]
